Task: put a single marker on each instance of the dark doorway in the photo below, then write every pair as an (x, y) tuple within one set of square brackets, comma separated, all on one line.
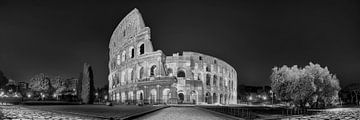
[(141, 96), (181, 97)]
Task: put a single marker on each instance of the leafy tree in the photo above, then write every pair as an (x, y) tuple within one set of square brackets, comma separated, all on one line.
[(312, 84), (354, 90), (41, 83)]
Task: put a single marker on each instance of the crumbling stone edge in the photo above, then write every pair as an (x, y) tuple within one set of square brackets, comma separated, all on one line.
[(131, 117)]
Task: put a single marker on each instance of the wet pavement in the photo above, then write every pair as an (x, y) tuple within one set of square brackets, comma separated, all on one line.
[(183, 113)]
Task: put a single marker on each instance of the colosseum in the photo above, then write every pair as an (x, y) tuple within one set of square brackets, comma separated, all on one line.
[(140, 74)]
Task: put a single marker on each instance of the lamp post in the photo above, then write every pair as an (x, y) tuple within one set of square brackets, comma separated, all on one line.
[(272, 98), (96, 94)]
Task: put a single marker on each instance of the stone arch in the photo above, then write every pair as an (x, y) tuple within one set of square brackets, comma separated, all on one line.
[(153, 70), (225, 99), (131, 52), (214, 98), (141, 72), (208, 69), (181, 73), (208, 98), (208, 77), (215, 80), (194, 97), (169, 72), (131, 75), (117, 97), (130, 95), (123, 56), (199, 76), (221, 98), (118, 59), (166, 95), (123, 97), (141, 48), (153, 96), (140, 95)]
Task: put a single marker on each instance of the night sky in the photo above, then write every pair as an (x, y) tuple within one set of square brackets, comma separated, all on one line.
[(57, 37)]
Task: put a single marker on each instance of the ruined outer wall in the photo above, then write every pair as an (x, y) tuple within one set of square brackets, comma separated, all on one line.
[(221, 77)]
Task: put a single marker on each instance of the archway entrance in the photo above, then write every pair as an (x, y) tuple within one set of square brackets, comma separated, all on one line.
[(141, 96), (193, 97), (214, 98), (181, 97), (153, 96), (166, 95), (221, 98), (207, 98)]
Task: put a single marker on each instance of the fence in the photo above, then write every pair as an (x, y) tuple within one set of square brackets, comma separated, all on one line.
[(10, 100), (257, 112), (234, 111)]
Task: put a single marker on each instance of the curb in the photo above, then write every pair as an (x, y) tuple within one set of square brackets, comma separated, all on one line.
[(222, 114), (131, 117)]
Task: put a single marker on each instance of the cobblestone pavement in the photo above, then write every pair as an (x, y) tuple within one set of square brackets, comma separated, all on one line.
[(18, 112), (336, 113), (183, 113)]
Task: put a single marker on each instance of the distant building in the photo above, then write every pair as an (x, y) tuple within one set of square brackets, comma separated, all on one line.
[(138, 72), (23, 85)]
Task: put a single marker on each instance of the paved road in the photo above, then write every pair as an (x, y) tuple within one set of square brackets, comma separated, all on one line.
[(17, 112), (183, 113), (336, 113)]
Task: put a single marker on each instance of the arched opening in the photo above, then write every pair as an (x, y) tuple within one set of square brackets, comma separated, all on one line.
[(225, 99), (208, 69), (221, 98), (152, 70), (208, 98), (214, 98), (132, 75), (117, 97), (193, 97), (181, 73), (169, 72), (132, 52), (141, 72), (166, 95), (208, 79), (221, 82), (118, 59), (199, 76), (123, 56), (142, 49), (215, 80), (141, 96), (181, 97), (152, 96)]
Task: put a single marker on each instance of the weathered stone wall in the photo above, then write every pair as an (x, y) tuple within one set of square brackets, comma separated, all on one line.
[(189, 77)]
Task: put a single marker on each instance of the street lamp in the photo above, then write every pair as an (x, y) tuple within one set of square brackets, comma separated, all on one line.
[(272, 97), (96, 94)]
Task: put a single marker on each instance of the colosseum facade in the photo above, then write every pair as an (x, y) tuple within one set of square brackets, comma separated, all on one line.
[(138, 73)]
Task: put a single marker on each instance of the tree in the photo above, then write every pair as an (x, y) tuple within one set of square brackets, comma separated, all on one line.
[(354, 90), (312, 84), (87, 92), (40, 83), (3, 80)]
